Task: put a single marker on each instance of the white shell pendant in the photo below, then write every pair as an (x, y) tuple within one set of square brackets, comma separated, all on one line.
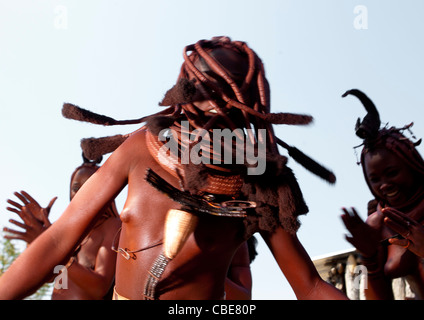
[(179, 225)]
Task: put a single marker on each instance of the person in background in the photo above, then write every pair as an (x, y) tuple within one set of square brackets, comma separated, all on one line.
[(182, 222), (394, 172), (91, 267)]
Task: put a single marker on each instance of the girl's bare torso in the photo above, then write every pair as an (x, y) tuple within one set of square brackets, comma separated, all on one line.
[(199, 270)]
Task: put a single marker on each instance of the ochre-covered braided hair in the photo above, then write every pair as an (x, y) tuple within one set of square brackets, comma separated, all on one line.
[(221, 84), (389, 138), (230, 78)]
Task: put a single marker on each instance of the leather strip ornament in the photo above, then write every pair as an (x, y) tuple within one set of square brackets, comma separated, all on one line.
[(201, 204)]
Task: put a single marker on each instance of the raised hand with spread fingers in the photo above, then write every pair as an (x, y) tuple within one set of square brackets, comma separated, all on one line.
[(411, 232), (35, 218)]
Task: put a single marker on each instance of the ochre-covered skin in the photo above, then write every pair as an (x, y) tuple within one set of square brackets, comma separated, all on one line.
[(199, 270), (90, 272), (394, 172)]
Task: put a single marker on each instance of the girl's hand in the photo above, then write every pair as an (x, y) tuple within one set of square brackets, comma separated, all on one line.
[(34, 217), (411, 231), (363, 237)]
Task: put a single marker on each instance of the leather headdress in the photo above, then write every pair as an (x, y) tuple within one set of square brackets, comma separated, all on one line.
[(389, 138)]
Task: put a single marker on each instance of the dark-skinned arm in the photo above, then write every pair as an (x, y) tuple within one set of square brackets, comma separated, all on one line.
[(34, 266), (298, 267), (238, 284)]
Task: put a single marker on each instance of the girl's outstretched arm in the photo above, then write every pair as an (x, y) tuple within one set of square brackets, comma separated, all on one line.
[(54, 246), (298, 267)]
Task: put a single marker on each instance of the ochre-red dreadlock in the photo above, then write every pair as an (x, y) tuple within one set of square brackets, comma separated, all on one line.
[(224, 90), (237, 92), (222, 85)]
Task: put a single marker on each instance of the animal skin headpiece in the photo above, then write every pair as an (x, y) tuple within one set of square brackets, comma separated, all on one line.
[(231, 78), (389, 138)]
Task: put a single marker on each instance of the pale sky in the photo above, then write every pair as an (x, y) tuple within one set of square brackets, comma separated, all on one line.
[(119, 58)]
